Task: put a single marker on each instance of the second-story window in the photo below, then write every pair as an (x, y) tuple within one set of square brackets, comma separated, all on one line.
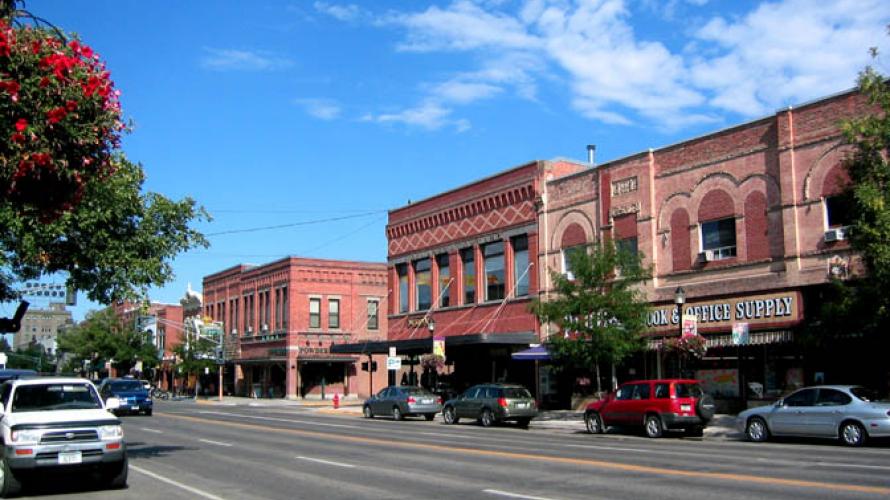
[(402, 271), (284, 308), (422, 287), (627, 245), (838, 212), (333, 313), (521, 270), (718, 239), (444, 280), (468, 262), (493, 254), (314, 313), (373, 315), (567, 260)]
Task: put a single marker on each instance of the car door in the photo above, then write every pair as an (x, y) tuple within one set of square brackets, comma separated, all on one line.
[(639, 403), (789, 418), (471, 402), (825, 418), (615, 411), (378, 403)]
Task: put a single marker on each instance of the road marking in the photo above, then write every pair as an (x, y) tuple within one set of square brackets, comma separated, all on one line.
[(186, 487), (146, 429), (275, 419), (602, 464), (851, 466), (326, 462), (448, 436), (513, 495), (217, 443)]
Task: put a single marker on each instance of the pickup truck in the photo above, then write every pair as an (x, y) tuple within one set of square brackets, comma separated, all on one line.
[(58, 424)]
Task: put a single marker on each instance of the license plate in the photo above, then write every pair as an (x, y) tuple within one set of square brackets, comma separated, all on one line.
[(70, 457), (427, 401), (522, 405), (134, 407), (686, 407)]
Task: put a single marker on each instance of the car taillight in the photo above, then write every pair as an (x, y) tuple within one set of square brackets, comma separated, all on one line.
[(411, 400), (502, 402), (439, 400)]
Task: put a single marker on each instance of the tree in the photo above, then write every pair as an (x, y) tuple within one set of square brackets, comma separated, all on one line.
[(70, 201), (196, 355), (601, 312), (103, 337)]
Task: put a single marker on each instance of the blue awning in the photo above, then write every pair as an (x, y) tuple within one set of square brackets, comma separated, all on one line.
[(536, 353)]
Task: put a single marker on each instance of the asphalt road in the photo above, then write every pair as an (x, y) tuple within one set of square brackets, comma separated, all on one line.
[(188, 451)]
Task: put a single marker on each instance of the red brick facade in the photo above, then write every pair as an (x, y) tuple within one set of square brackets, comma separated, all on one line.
[(285, 316)]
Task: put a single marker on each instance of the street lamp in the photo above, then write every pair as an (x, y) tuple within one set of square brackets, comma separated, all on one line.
[(680, 299), (431, 325)]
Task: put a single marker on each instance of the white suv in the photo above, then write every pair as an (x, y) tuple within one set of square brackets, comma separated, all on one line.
[(58, 423)]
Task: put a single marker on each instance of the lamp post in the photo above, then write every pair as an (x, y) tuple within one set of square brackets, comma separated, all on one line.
[(680, 299)]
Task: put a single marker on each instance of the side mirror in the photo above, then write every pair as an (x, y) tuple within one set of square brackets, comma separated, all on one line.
[(112, 404), (780, 403)]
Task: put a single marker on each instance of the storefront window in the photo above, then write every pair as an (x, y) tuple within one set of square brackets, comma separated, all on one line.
[(718, 238), (422, 289), (402, 270), (521, 271), (444, 279), (493, 254), (469, 269)]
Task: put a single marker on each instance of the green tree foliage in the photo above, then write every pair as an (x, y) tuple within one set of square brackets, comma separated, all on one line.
[(32, 357), (70, 202), (196, 355), (601, 313), (103, 337)]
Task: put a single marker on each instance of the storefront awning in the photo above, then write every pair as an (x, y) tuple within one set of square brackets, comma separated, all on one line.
[(754, 338), (425, 345), (536, 353)]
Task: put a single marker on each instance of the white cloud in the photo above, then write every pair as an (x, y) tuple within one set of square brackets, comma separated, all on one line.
[(323, 109), (347, 13), (465, 92), (428, 115), (242, 60)]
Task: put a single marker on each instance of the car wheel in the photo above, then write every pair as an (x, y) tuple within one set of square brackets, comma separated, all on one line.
[(594, 423), (523, 422), (9, 485), (116, 475), (449, 416), (653, 426), (366, 411), (486, 419), (756, 430), (397, 413), (429, 417), (853, 434)]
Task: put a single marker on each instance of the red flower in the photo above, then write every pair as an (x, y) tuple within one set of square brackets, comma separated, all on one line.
[(70, 105), (44, 82), (11, 88), (56, 115), (21, 125), (17, 137)]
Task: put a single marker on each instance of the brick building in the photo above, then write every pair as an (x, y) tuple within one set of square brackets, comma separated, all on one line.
[(461, 268), (287, 315), (746, 221)]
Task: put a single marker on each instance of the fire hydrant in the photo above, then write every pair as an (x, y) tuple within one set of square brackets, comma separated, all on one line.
[(336, 401)]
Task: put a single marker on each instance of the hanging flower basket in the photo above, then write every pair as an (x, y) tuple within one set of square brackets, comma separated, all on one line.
[(60, 119), (692, 346)]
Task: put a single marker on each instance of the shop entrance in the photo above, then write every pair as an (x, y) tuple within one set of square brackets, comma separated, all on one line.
[(322, 379)]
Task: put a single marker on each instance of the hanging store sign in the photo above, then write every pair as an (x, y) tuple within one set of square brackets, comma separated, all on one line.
[(768, 310), (740, 334), (690, 326), (439, 347)]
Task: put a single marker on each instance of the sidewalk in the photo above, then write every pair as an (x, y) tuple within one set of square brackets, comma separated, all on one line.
[(721, 427)]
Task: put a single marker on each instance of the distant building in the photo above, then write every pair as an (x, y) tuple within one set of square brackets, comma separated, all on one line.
[(42, 326)]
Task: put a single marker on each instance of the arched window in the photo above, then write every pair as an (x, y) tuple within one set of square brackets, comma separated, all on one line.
[(716, 216), (574, 239)]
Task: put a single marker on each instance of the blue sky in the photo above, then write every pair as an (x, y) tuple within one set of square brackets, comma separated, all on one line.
[(282, 113)]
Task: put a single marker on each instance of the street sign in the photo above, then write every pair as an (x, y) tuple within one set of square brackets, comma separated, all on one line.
[(740, 334), (393, 363), (392, 352)]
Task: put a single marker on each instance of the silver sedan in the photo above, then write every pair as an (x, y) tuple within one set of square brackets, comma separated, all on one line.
[(846, 412), (402, 401)]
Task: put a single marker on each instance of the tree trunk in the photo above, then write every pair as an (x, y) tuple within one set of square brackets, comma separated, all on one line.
[(599, 385)]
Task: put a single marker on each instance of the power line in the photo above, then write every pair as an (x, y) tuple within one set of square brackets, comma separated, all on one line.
[(293, 224)]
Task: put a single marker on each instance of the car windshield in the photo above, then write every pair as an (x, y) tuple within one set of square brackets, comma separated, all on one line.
[(417, 391), (50, 397), (688, 390), (127, 385), (516, 393), (864, 394)]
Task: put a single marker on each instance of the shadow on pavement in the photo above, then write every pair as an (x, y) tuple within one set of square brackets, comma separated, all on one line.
[(141, 450)]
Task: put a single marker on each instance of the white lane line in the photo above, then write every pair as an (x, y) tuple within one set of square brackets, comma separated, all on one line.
[(513, 495), (274, 419), (446, 436), (186, 487), (326, 462), (146, 429), (217, 443), (851, 466)]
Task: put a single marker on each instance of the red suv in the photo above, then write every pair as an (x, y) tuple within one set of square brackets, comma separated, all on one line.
[(657, 405)]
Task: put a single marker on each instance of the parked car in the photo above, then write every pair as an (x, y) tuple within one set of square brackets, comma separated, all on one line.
[(403, 401), (58, 424), (492, 403), (13, 373), (133, 396), (656, 405), (846, 412)]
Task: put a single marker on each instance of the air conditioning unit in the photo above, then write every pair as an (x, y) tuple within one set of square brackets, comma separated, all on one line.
[(265, 328), (234, 331), (836, 234), (707, 256), (249, 330)]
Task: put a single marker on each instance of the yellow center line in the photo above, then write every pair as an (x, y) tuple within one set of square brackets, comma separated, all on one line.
[(645, 469)]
